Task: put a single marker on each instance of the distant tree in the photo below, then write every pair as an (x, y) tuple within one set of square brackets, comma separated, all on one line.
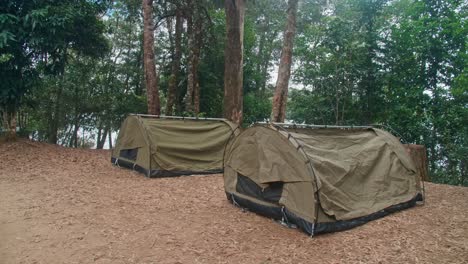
[(175, 66), (195, 38), (284, 72), (268, 19), (151, 77)]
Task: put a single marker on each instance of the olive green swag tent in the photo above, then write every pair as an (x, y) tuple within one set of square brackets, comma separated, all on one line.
[(320, 179), (171, 146)]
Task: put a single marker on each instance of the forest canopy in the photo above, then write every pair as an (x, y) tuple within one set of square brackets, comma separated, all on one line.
[(71, 71)]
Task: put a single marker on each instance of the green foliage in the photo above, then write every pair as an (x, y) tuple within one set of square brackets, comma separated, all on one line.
[(257, 108), (35, 39), (400, 63), (211, 68)]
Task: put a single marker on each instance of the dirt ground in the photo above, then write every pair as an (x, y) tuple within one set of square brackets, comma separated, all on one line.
[(60, 205)]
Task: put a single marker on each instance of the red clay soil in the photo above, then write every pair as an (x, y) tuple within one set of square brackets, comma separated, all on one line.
[(60, 205)]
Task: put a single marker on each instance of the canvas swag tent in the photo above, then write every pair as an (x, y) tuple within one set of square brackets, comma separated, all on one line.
[(320, 179), (171, 146)]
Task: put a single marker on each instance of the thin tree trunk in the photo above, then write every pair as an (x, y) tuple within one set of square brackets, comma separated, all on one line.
[(190, 80), (53, 130), (196, 96), (10, 124), (75, 135), (261, 47), (266, 62), (140, 80), (151, 78), (337, 108), (110, 138), (98, 137), (172, 89), (5, 122), (284, 72), (463, 171), (74, 138), (233, 60), (196, 62), (103, 139), (67, 136)]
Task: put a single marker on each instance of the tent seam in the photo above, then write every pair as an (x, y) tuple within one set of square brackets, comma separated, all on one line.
[(309, 162)]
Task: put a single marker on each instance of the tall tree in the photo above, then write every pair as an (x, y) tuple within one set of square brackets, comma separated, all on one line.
[(151, 78), (191, 31), (370, 20), (175, 67), (195, 37), (268, 18), (233, 60), (196, 60), (284, 72)]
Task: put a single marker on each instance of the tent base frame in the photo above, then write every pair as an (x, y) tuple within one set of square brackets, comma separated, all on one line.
[(159, 173), (278, 213)]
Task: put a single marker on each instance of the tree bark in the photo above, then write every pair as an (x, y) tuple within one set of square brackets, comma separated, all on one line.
[(190, 80), (419, 156), (110, 138), (261, 47), (284, 72), (102, 138), (76, 127), (233, 60), (194, 25), (195, 63), (54, 122), (266, 61), (172, 89), (151, 79), (10, 122), (5, 121), (98, 137)]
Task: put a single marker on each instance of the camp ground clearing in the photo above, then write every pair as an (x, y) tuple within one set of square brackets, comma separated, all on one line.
[(62, 205)]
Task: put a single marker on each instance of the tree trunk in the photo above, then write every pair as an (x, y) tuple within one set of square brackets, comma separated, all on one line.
[(463, 171), (98, 137), (194, 25), (54, 122), (110, 138), (266, 62), (284, 72), (233, 60), (419, 156), (172, 89), (102, 138), (196, 62), (261, 47), (190, 80), (13, 124), (75, 135), (74, 138), (151, 78), (196, 96), (9, 124), (139, 79)]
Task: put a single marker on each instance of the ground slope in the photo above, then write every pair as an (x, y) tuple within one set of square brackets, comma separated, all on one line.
[(60, 205)]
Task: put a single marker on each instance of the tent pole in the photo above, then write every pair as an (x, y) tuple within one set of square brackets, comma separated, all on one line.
[(309, 163), (180, 117), (312, 126)]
